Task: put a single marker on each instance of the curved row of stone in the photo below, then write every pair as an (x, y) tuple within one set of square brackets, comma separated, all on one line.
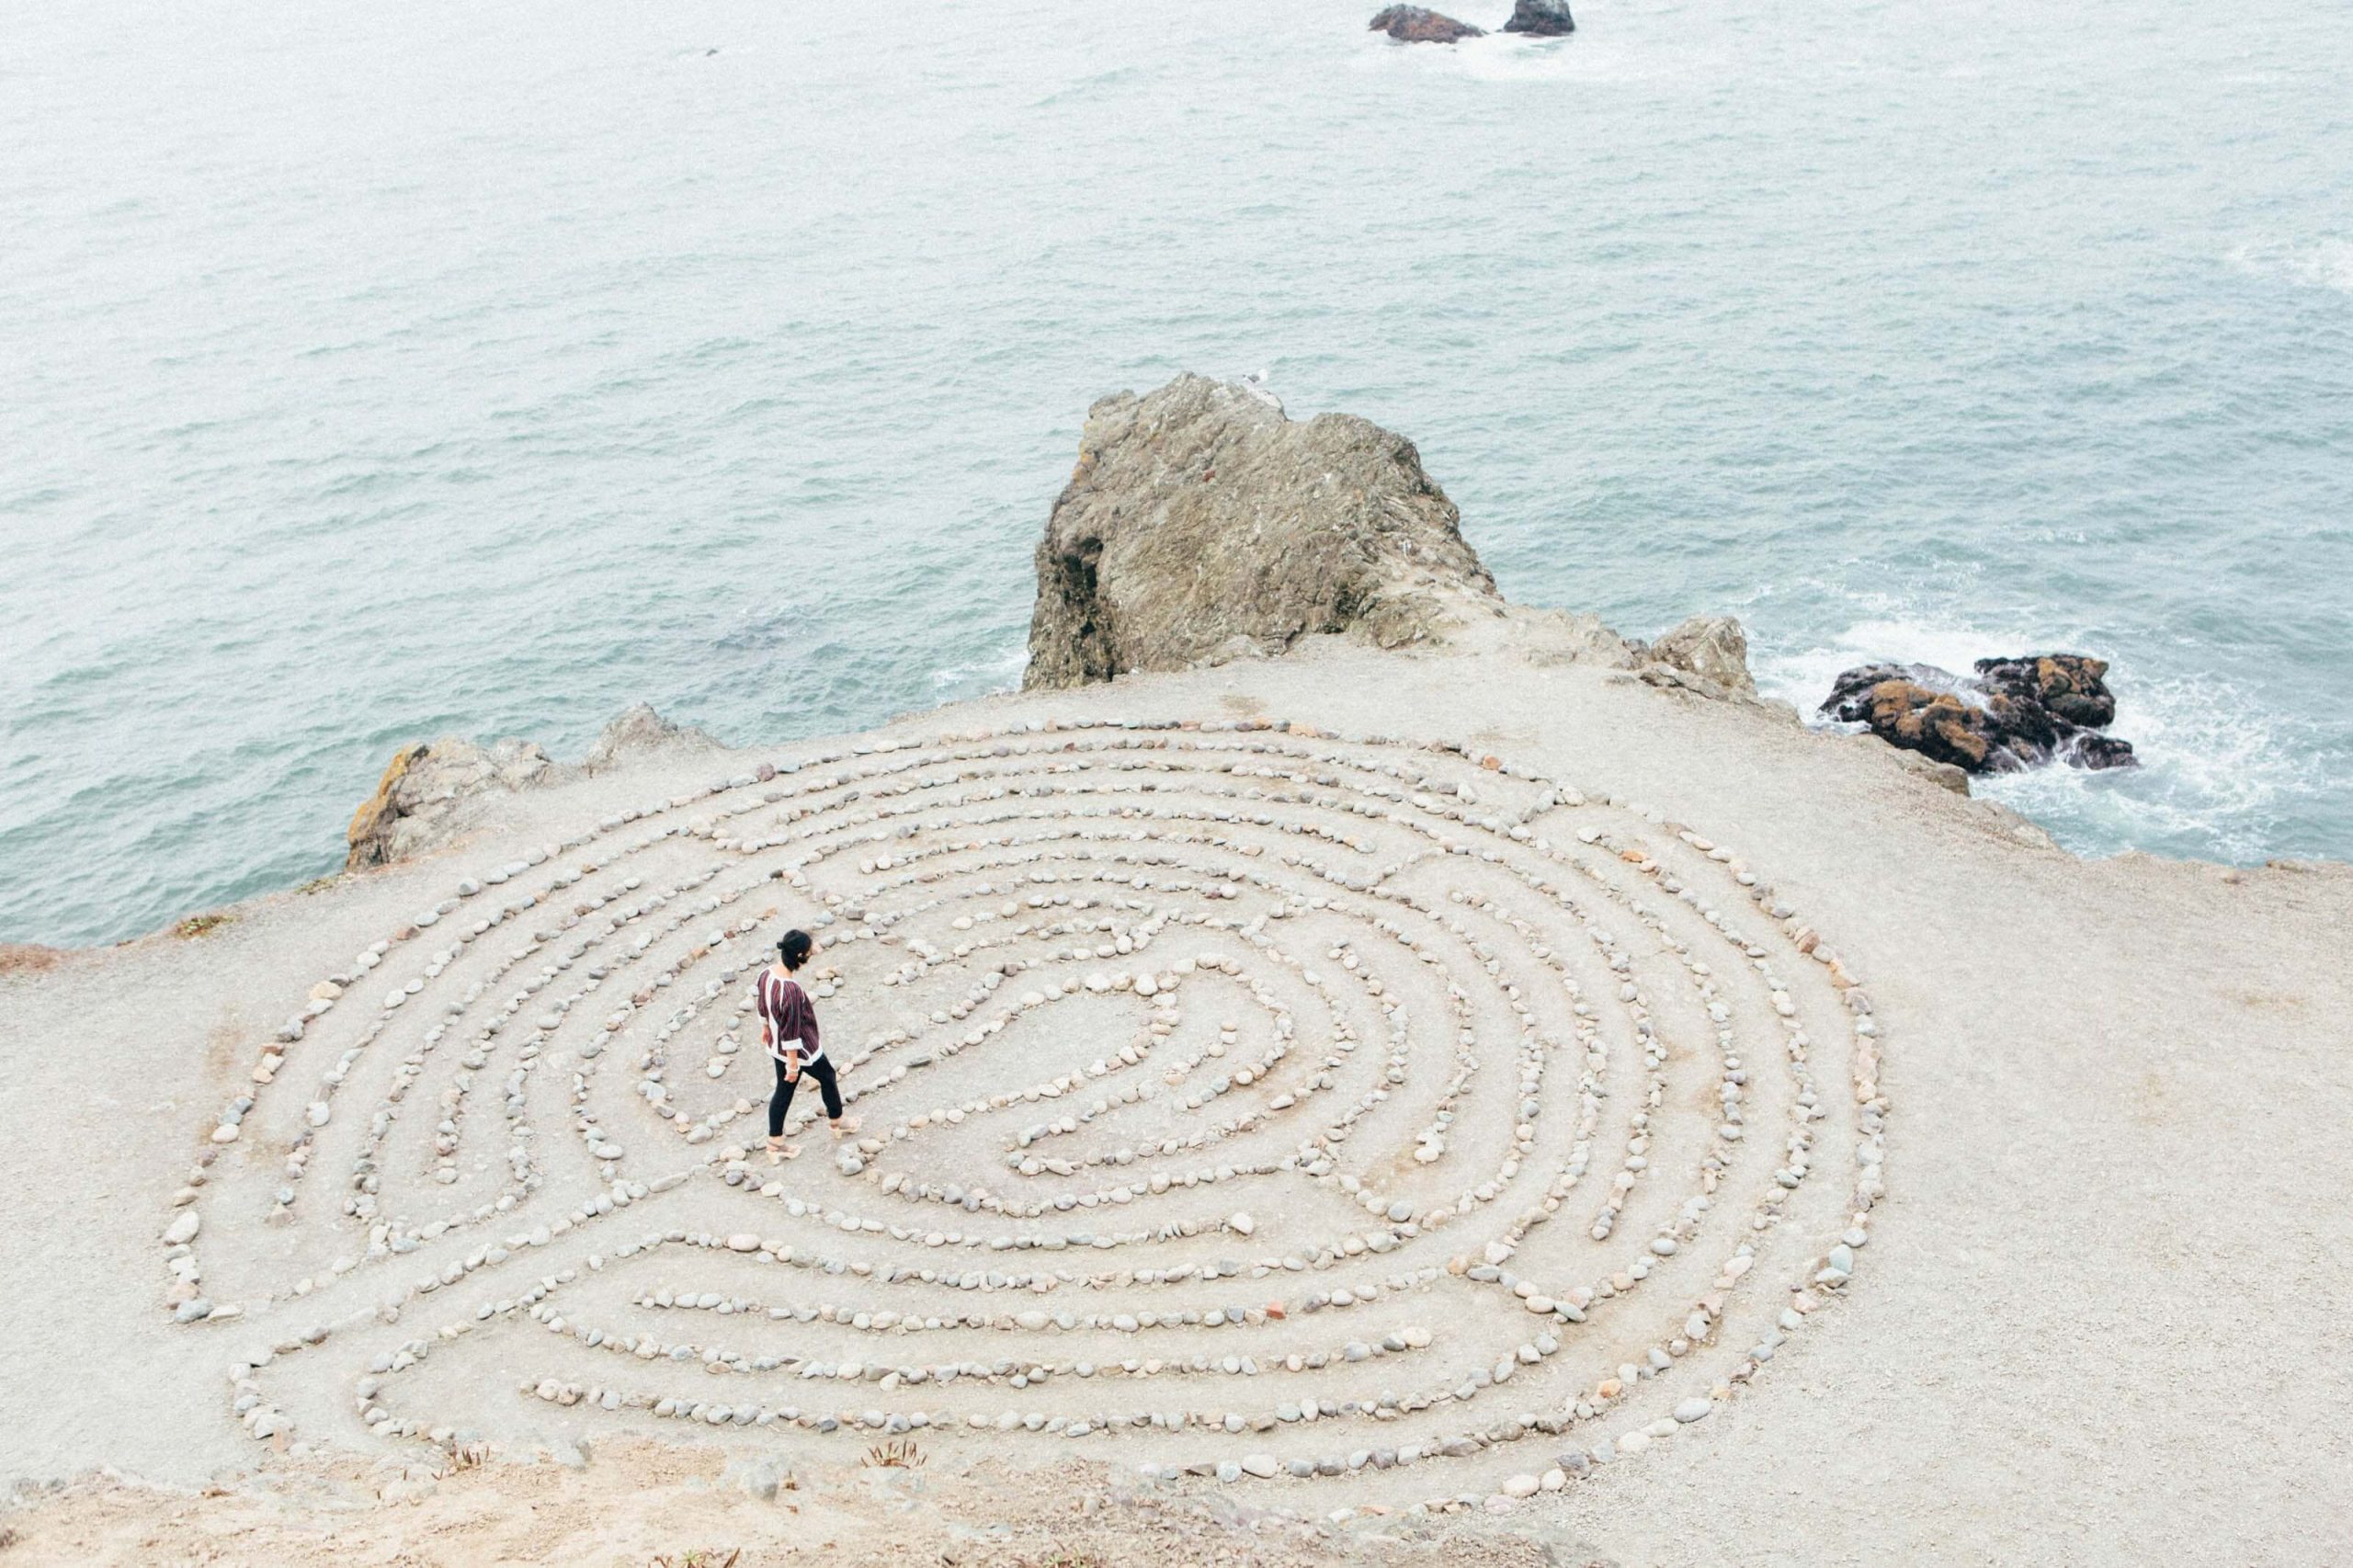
[(1065, 862)]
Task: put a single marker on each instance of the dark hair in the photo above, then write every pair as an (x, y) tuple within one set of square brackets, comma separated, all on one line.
[(794, 948)]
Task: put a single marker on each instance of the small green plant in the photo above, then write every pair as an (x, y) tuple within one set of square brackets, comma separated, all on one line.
[(197, 925), (699, 1557)]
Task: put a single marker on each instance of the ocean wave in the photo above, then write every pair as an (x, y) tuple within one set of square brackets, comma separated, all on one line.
[(1000, 671), (1507, 57)]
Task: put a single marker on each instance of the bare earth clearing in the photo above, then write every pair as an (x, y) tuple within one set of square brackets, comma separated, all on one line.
[(1649, 1134)]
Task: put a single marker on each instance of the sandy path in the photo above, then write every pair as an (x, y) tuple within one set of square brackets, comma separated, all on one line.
[(2103, 1285)]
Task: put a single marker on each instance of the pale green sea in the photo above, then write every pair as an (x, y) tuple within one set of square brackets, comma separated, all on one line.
[(374, 372)]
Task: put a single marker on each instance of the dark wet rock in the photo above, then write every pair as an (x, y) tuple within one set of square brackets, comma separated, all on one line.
[(2073, 687), (1203, 525), (1417, 24), (2014, 713), (1541, 19)]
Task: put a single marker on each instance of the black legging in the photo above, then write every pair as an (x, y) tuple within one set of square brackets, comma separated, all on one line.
[(781, 1101)]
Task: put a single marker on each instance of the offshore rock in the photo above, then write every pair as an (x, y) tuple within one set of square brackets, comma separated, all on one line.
[(1541, 19), (2013, 714), (1202, 525), (1415, 23), (1712, 647), (2071, 685), (424, 797)]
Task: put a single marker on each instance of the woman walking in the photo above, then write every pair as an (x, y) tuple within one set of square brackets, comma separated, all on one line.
[(789, 1029)]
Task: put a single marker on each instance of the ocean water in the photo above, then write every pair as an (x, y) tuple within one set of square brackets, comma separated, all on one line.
[(374, 372)]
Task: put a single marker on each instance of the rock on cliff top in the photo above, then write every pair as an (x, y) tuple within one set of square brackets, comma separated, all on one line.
[(422, 797), (638, 730), (433, 790), (1202, 524), (1712, 647)]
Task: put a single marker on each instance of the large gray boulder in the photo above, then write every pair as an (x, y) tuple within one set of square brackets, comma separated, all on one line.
[(1201, 524)]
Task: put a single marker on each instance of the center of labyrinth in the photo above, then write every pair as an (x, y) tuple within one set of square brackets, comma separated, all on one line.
[(1236, 1100)]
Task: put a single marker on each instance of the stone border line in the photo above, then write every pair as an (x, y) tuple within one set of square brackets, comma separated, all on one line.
[(1183, 1037)]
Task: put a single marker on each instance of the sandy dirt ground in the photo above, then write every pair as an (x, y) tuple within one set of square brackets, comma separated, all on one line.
[(2099, 1318), (640, 1504)]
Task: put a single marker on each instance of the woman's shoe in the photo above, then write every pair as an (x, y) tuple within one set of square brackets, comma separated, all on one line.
[(845, 1126)]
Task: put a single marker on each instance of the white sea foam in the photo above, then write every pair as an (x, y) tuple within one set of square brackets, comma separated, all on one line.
[(443, 388), (2219, 766), (1802, 676), (2315, 263), (1000, 671)]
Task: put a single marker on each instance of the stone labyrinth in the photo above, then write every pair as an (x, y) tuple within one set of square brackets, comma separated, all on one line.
[(1237, 1102)]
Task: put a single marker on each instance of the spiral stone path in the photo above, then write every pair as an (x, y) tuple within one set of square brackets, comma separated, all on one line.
[(1237, 1100)]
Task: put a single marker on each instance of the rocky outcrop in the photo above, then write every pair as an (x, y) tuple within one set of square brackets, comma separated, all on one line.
[(1202, 525), (640, 731), (1713, 648), (426, 792), (2013, 714), (432, 792), (1541, 19), (1414, 23)]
